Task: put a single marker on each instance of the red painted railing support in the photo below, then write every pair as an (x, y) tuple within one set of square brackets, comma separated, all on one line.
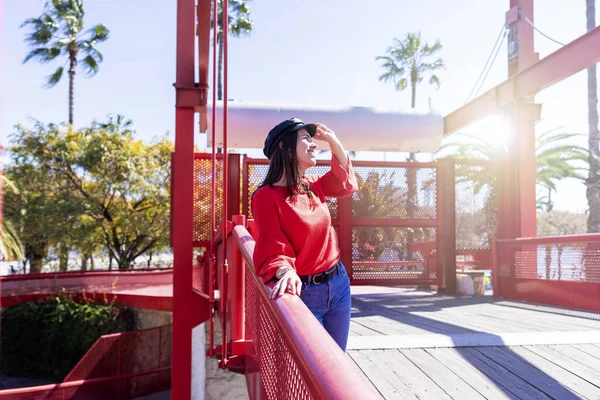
[(237, 290), (495, 267)]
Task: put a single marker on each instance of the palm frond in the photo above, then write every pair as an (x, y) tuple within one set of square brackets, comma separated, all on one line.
[(10, 245), (91, 65), (55, 77)]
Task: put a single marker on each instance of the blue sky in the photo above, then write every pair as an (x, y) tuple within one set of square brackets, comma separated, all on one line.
[(312, 52)]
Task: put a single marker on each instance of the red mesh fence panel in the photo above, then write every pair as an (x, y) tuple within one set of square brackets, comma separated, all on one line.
[(578, 262), (258, 171), (381, 253), (395, 192), (125, 353), (202, 196), (476, 204), (279, 373)]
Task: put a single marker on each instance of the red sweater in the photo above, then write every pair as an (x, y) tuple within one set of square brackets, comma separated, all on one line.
[(291, 232)]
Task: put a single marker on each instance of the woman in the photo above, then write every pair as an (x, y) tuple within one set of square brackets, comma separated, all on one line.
[(296, 244)]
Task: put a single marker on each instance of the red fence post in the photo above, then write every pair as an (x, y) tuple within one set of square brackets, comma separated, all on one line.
[(446, 216), (344, 211), (495, 267), (237, 289)]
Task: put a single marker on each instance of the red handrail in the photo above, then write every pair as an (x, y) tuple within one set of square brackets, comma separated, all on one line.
[(327, 372), (542, 240)]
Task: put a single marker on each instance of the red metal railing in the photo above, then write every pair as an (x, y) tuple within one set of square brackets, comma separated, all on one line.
[(557, 270), (286, 352), (151, 288), (120, 387)]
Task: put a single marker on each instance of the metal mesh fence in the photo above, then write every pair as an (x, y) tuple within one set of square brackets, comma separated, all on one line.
[(476, 205), (387, 253), (202, 197), (279, 372), (578, 262), (125, 353), (258, 172), (395, 192)]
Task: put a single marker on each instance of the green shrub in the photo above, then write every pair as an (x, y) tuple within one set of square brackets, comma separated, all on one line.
[(44, 339)]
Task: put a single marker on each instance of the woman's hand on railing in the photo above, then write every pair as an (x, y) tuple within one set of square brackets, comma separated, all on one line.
[(289, 282)]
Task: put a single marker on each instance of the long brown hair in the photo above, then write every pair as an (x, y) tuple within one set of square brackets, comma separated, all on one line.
[(284, 162)]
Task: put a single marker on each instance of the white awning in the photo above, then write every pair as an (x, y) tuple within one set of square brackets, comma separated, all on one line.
[(359, 128)]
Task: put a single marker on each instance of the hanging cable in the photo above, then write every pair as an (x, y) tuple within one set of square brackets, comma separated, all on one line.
[(491, 64), (494, 50), (537, 30)]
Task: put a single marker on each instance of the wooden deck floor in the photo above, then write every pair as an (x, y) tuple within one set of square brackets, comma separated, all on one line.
[(413, 344)]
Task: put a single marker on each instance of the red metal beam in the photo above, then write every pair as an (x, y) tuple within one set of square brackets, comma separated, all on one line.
[(549, 240), (576, 56)]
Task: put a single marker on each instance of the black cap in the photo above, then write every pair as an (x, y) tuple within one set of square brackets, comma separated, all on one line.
[(283, 128)]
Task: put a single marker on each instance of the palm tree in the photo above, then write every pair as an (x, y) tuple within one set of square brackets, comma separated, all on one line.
[(593, 181), (408, 61), (554, 157), (10, 245), (59, 32), (240, 24)]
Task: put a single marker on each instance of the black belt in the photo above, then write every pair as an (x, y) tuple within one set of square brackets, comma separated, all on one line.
[(322, 277)]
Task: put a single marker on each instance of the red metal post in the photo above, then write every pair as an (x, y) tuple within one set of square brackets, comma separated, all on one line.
[(245, 187), (495, 267), (183, 182), (446, 215), (344, 217), (523, 118), (237, 288)]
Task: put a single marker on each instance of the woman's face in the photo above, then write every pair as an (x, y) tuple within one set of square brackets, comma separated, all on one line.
[(305, 150)]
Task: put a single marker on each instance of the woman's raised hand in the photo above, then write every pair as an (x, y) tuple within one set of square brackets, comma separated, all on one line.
[(325, 134)]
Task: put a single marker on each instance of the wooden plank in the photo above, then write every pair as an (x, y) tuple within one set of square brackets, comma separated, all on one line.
[(357, 329), (517, 365), (503, 377), (558, 358), (415, 379), (467, 372), (441, 375), (380, 379), (582, 316), (532, 318), (566, 378), (579, 355), (426, 324)]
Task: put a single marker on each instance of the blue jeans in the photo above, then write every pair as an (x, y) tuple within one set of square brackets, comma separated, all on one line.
[(330, 303)]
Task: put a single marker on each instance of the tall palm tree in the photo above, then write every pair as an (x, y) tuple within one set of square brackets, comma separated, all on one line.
[(593, 181), (59, 32), (407, 62), (240, 24)]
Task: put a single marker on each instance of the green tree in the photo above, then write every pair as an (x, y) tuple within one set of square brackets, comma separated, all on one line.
[(240, 24), (10, 244), (33, 209), (115, 186), (593, 181), (59, 31)]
